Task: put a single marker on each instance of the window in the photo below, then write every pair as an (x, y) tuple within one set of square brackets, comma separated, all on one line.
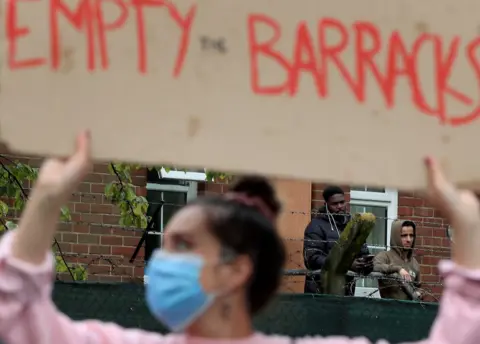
[(383, 204), (166, 193)]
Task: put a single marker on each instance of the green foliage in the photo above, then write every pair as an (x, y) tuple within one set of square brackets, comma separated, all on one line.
[(16, 178), (213, 176), (133, 208), (76, 271)]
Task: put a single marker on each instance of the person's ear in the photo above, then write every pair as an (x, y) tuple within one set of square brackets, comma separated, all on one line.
[(239, 272)]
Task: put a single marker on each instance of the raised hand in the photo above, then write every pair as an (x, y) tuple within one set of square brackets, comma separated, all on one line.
[(56, 182), (461, 208), (59, 178)]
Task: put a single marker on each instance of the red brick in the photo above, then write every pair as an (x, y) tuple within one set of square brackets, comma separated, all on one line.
[(81, 207), (97, 188), (88, 238), (123, 232), (69, 237), (65, 247), (423, 231), (102, 209), (84, 187), (100, 269), (110, 219), (111, 240), (405, 211), (215, 188), (101, 168), (108, 178), (100, 230), (81, 228), (424, 212), (130, 241), (122, 251), (80, 248), (93, 178), (98, 249), (411, 202), (64, 227), (91, 218), (138, 271)]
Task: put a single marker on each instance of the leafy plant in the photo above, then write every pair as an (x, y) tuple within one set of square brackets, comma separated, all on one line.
[(17, 177)]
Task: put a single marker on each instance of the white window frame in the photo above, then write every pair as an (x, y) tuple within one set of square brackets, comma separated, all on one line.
[(191, 190), (182, 175), (387, 199)]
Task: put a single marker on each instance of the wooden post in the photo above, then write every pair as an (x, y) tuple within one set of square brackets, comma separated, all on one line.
[(343, 254)]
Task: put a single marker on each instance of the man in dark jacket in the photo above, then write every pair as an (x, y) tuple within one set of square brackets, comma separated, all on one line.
[(321, 235)]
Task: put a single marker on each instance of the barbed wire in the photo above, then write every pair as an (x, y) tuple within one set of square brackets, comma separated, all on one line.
[(436, 248), (118, 261), (118, 269), (418, 219)]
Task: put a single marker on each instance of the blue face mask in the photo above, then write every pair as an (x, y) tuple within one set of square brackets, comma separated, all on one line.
[(174, 294)]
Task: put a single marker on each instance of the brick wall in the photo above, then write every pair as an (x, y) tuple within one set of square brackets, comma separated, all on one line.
[(95, 238), (432, 242)]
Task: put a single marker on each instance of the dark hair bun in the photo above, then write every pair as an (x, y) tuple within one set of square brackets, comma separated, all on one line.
[(257, 186)]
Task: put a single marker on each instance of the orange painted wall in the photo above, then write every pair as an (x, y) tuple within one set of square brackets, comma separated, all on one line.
[(297, 201)]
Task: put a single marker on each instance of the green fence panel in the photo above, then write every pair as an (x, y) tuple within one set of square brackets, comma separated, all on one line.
[(290, 314)]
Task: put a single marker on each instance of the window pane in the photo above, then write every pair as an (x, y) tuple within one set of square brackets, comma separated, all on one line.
[(173, 202), (378, 236), (368, 189), (164, 204), (154, 199)]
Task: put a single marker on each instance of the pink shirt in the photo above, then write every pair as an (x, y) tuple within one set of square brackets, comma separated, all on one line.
[(28, 315)]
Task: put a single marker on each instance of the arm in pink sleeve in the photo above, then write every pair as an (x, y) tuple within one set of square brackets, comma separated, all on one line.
[(28, 315), (458, 319)]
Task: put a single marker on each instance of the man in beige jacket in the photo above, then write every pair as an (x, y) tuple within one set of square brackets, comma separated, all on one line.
[(399, 262)]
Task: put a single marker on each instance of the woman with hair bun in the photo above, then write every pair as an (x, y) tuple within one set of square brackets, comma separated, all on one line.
[(221, 263)]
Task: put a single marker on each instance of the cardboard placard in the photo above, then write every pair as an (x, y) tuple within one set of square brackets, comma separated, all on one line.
[(347, 91)]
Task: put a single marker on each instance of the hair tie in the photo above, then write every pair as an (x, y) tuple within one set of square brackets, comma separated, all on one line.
[(252, 201)]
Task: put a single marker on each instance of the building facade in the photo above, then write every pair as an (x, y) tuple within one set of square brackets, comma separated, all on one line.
[(95, 238)]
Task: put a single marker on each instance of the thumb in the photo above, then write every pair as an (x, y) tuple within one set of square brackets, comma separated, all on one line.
[(435, 176), (80, 162)]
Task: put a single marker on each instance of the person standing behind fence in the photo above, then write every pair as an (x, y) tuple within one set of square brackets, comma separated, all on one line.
[(399, 261), (321, 235)]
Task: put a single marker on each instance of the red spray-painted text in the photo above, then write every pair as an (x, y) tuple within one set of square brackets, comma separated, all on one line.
[(317, 60), (401, 62), (88, 17)]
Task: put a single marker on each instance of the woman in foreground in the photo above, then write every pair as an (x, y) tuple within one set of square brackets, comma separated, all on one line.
[(221, 264)]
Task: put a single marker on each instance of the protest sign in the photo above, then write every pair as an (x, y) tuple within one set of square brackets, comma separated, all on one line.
[(342, 91)]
